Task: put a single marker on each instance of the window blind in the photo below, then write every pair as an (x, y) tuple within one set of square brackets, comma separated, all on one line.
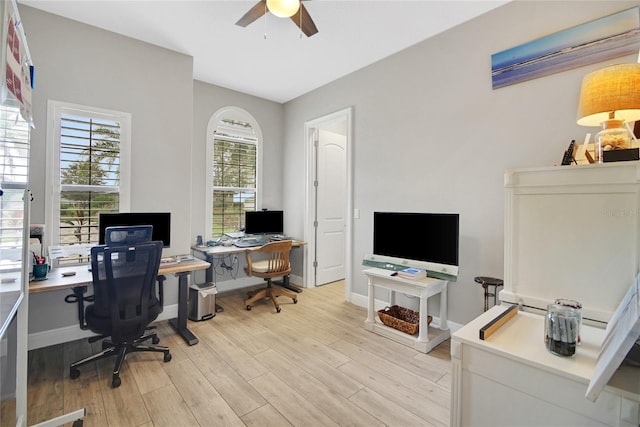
[(89, 176), (234, 175)]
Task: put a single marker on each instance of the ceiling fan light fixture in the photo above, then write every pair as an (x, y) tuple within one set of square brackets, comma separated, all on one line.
[(283, 8)]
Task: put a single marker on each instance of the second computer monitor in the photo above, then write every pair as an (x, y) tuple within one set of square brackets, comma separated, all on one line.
[(264, 222)]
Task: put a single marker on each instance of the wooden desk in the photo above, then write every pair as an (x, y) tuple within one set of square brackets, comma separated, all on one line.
[(83, 278), (210, 252)]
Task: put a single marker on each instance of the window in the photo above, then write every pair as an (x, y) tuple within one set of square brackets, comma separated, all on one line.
[(90, 172), (233, 152), (14, 169)]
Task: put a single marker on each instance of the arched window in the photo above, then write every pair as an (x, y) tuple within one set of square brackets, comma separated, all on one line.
[(234, 156)]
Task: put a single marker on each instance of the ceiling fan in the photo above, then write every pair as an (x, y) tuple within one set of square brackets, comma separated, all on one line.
[(293, 9)]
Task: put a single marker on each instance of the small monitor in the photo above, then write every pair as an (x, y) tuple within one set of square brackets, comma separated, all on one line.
[(161, 222), (264, 222)]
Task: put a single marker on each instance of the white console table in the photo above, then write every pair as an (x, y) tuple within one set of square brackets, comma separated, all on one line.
[(428, 337)]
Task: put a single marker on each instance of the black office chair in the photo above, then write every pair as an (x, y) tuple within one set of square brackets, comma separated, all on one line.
[(127, 235), (124, 302)]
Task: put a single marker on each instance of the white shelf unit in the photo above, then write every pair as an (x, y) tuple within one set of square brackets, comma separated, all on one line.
[(428, 337), (570, 232)]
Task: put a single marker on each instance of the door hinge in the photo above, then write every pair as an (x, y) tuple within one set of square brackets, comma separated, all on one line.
[(315, 183), (315, 264), (315, 224)]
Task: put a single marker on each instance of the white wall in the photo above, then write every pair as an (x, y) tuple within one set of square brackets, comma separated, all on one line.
[(80, 64), (431, 135), (429, 132), (208, 99)]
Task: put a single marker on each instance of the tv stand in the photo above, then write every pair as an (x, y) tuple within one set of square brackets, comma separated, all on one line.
[(428, 337)]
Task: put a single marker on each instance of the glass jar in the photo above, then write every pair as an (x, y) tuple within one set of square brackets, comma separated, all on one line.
[(613, 136), (562, 328)]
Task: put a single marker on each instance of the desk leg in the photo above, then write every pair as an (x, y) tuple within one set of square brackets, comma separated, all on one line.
[(285, 284), (208, 277), (180, 324)]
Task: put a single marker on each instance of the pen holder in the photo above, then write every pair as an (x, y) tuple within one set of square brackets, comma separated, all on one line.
[(40, 271), (562, 329)]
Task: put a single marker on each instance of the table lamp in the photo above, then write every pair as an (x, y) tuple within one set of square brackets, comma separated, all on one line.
[(609, 97)]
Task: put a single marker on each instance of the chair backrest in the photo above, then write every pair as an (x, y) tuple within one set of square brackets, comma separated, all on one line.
[(127, 235), (124, 280), (273, 260)]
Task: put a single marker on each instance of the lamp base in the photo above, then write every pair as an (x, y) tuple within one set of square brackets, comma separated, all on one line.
[(621, 155), (614, 136)]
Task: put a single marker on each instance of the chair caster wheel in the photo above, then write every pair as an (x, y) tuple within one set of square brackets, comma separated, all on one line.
[(115, 381), (278, 310), (295, 300), (74, 373), (155, 340), (248, 308), (167, 357)]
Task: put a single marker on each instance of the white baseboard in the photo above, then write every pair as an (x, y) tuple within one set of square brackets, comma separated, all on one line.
[(72, 333), (363, 301)]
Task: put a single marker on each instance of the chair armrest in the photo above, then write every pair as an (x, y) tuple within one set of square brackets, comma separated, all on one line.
[(161, 278)]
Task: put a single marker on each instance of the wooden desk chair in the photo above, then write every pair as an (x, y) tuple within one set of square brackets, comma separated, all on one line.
[(276, 264)]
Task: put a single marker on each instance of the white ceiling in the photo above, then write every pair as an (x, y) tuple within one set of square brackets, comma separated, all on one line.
[(282, 66)]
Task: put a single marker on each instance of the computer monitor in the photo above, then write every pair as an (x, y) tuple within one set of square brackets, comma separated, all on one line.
[(424, 240), (264, 222), (161, 222)]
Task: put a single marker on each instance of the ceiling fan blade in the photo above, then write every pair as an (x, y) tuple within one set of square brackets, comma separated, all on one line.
[(254, 13), (307, 25)]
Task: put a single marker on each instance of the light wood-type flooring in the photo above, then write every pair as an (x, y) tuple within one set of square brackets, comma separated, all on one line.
[(313, 364)]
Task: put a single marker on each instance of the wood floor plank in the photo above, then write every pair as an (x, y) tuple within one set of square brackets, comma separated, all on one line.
[(387, 412), (396, 392), (8, 413), (124, 405), (298, 411), (167, 408), (45, 386), (147, 370), (305, 359), (236, 391), (312, 364), (231, 352), (84, 392), (203, 400), (424, 384), (337, 407), (265, 416)]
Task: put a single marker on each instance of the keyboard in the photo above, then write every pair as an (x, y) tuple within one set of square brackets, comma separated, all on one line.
[(249, 243), (278, 237)]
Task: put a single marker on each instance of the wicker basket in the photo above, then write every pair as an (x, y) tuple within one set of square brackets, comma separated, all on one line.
[(402, 319)]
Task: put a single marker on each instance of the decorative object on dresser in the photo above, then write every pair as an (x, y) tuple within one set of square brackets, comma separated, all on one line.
[(609, 97)]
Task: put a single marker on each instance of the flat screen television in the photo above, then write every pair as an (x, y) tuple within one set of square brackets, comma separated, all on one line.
[(428, 241), (264, 222), (161, 222)]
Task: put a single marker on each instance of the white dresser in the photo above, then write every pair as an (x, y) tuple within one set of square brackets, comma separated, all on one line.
[(570, 232), (510, 379)]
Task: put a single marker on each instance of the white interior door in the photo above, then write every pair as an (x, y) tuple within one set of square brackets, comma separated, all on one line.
[(331, 196)]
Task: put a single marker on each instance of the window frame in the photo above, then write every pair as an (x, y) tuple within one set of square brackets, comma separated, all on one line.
[(55, 110), (231, 113)]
